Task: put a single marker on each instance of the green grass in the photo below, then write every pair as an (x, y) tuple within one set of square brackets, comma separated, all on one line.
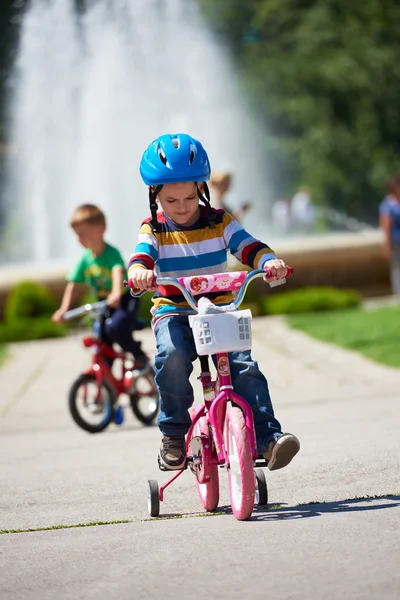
[(191, 516), (54, 527), (374, 333)]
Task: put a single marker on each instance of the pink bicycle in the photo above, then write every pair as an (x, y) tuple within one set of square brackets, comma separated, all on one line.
[(222, 431)]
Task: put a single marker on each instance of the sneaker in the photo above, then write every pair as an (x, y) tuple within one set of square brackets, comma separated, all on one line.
[(281, 451), (119, 415), (172, 453)]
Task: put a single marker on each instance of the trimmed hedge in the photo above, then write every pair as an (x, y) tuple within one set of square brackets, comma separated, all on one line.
[(27, 313), (304, 300), (145, 306), (312, 299), (30, 305), (28, 300), (3, 353), (30, 329)]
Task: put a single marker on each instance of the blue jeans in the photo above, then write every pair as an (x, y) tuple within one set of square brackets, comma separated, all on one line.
[(176, 352), (119, 324)]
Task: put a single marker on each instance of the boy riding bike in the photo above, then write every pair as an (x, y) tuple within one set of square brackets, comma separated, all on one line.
[(183, 239), (102, 268)]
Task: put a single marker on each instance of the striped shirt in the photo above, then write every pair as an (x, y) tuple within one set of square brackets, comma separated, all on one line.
[(177, 251)]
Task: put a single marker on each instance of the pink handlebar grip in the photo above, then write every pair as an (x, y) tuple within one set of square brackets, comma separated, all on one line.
[(135, 291), (289, 272)]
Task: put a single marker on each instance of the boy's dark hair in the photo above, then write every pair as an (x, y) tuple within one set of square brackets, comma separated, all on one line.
[(88, 213)]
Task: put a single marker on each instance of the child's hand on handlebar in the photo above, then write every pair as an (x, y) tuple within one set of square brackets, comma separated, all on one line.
[(142, 279), (58, 316), (276, 269), (114, 299)]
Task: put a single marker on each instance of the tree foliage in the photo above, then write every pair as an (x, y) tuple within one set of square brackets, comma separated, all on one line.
[(325, 76)]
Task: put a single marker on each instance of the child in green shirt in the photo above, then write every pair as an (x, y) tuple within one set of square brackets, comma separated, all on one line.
[(102, 268)]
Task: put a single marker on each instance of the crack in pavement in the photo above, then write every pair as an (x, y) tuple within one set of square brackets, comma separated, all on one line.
[(275, 511)]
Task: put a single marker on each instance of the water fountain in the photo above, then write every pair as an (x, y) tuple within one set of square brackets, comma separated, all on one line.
[(91, 89)]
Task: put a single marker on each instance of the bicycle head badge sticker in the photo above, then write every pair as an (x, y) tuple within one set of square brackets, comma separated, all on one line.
[(198, 284), (223, 366)]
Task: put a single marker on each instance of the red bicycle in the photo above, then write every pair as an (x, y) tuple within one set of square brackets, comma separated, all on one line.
[(94, 397), (222, 431)]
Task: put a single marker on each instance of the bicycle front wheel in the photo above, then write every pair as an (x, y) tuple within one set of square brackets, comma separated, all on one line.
[(240, 465), (91, 406)]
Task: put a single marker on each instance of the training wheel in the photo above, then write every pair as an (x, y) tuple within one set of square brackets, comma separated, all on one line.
[(153, 498), (261, 495)]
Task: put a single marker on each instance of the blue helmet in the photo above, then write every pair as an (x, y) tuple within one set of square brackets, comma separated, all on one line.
[(174, 158)]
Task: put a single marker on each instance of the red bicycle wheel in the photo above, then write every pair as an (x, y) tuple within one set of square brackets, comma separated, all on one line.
[(240, 465), (209, 489)]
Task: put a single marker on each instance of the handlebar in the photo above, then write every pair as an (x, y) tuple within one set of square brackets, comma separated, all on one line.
[(95, 307), (221, 282)]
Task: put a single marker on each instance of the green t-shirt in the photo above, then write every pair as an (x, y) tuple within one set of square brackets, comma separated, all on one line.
[(96, 271)]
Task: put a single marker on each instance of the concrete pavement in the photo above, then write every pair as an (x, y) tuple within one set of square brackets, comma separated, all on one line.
[(317, 543)]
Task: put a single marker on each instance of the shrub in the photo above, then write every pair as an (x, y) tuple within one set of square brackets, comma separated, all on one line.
[(3, 353), (19, 330), (27, 314), (145, 306), (312, 299), (28, 300), (255, 308)]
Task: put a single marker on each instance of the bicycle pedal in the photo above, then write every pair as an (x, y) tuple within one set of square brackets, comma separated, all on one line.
[(260, 462), (163, 468)]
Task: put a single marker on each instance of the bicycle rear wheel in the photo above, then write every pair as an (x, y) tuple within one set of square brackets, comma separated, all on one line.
[(208, 490), (240, 466), (145, 401)]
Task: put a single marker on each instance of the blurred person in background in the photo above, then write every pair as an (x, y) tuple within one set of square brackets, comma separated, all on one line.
[(302, 211), (389, 221), (280, 215), (220, 182)]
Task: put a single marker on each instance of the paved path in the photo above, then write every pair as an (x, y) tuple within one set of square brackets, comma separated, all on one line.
[(318, 544)]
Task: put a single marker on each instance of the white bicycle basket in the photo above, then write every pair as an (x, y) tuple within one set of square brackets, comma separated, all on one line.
[(222, 332)]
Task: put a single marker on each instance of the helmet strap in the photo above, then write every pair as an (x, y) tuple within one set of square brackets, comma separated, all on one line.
[(155, 225), (206, 201)]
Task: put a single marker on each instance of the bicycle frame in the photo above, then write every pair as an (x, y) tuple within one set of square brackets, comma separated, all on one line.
[(217, 408), (216, 411), (99, 366)]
